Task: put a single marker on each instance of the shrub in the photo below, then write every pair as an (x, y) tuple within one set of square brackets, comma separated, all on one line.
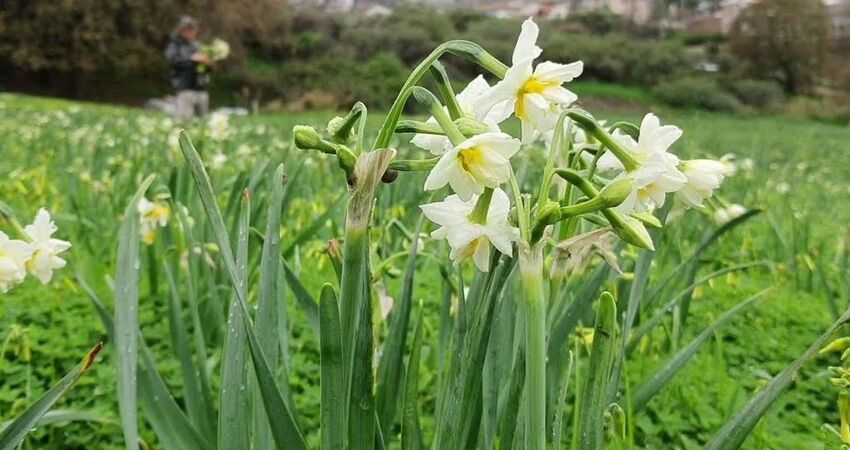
[(379, 80), (619, 58), (696, 92), (760, 94), (790, 37), (820, 109), (600, 21)]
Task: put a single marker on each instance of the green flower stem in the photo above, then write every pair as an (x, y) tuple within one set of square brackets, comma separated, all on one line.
[(561, 127), (355, 293), (419, 127), (464, 49), (624, 226), (551, 214), (611, 195), (414, 165), (590, 125), (438, 72), (307, 138), (467, 126), (523, 218), (531, 273), (428, 99), (7, 213), (627, 127), (482, 206)]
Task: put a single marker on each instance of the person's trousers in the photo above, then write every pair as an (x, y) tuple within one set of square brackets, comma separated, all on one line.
[(190, 104)]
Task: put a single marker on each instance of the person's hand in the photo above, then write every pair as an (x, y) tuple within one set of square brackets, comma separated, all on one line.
[(202, 58)]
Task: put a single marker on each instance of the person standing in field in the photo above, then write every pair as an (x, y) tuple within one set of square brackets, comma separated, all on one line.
[(189, 70)]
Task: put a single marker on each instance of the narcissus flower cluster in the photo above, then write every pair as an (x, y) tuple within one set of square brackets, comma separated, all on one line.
[(473, 164), (152, 215), (36, 254), (618, 174)]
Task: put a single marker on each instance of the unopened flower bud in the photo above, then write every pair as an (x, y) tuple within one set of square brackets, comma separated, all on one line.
[(632, 231), (306, 137), (647, 219), (616, 192), (470, 127)]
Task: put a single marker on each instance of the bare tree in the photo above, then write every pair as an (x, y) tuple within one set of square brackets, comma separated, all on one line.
[(784, 39)]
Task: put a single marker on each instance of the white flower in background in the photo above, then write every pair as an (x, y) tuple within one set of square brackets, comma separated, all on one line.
[(729, 213), (478, 162), (218, 126), (13, 256), (467, 100), (467, 238), (244, 151), (534, 94), (46, 249), (218, 50), (657, 172), (151, 215), (174, 140), (704, 176), (218, 160), (730, 164), (783, 187), (747, 164)]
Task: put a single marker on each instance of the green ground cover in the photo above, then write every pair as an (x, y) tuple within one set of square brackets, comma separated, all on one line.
[(84, 161)]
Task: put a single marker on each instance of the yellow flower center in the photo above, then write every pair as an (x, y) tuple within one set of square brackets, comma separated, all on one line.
[(469, 158), (160, 212), (472, 247), (30, 263), (532, 86)]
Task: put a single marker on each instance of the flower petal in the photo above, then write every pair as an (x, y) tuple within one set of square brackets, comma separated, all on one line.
[(526, 45), (560, 73)]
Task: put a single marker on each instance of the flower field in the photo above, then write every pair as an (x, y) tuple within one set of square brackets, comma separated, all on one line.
[(461, 307)]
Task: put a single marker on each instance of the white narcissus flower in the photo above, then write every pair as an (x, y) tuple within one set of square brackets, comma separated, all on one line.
[(467, 100), (478, 162), (704, 176), (218, 161), (729, 213), (151, 215), (534, 94), (46, 249), (657, 172), (219, 126), (219, 49), (730, 164), (13, 256), (467, 238)]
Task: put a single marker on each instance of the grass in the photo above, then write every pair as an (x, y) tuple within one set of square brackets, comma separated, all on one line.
[(83, 162), (613, 91)]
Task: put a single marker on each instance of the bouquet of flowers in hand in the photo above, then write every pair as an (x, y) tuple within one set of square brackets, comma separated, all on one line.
[(217, 50)]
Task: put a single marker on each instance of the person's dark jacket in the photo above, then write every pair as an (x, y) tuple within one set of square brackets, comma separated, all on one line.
[(185, 73)]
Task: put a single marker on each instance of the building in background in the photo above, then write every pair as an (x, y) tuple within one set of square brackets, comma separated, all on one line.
[(708, 17), (839, 13)]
